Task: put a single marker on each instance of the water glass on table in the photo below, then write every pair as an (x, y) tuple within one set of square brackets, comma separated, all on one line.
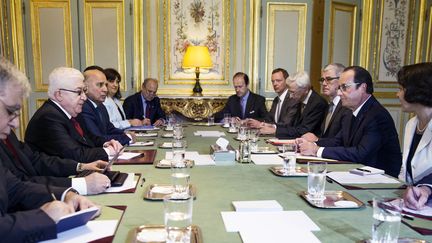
[(227, 120), (233, 125), (170, 122), (210, 120), (289, 151), (386, 219), (178, 131), (242, 133), (316, 180), (178, 218)]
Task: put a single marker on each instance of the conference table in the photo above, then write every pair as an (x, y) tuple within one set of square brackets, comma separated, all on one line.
[(218, 186)]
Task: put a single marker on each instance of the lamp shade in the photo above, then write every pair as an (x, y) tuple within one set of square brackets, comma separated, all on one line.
[(197, 56)]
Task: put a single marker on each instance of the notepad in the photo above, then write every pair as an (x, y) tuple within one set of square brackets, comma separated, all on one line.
[(129, 155), (266, 159), (76, 219), (138, 144), (344, 177)]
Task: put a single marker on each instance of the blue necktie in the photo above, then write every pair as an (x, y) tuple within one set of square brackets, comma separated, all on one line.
[(243, 105)]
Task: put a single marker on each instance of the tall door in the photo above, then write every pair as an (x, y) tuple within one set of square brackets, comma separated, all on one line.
[(285, 31), (76, 34)]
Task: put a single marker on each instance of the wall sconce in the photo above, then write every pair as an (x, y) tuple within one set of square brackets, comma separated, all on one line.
[(197, 57)]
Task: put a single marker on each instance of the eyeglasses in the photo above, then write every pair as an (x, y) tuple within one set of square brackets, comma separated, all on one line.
[(78, 92), (327, 79), (344, 87), (13, 112)]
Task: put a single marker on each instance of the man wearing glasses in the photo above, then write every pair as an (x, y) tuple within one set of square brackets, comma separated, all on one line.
[(54, 130), (332, 123), (369, 136), (27, 210)]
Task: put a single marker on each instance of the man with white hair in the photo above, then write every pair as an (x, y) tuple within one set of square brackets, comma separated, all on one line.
[(53, 128), (310, 113), (27, 210)]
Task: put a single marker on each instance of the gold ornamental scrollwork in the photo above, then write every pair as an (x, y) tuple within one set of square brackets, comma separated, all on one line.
[(195, 109)]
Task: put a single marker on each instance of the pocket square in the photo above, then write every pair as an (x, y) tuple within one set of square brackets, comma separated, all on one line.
[(251, 112)]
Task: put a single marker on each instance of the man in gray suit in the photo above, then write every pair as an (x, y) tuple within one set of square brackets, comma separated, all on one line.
[(332, 123), (283, 109)]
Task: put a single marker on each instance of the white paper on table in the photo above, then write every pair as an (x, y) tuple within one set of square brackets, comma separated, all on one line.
[(129, 183), (199, 159), (209, 134), (344, 177), (277, 234), (236, 221), (280, 141), (266, 159), (150, 134), (126, 155), (260, 205), (93, 230), (426, 211)]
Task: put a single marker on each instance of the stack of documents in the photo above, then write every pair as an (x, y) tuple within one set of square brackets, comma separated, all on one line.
[(199, 159), (127, 155), (266, 159), (209, 134), (264, 221)]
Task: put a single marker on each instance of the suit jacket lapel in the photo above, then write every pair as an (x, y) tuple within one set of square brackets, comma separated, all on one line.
[(360, 117), (426, 138)]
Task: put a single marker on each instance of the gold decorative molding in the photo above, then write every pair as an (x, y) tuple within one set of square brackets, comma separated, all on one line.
[(35, 6), (254, 42), (118, 5), (272, 8), (366, 26), (385, 95), (196, 108), (420, 28), (5, 48), (343, 7), (429, 38), (40, 102), (138, 51)]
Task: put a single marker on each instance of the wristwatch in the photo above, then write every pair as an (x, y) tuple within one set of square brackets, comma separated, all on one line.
[(79, 167)]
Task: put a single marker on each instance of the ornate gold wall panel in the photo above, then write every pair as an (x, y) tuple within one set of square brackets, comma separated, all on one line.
[(104, 28), (50, 22), (195, 108), (138, 51), (420, 28), (429, 38), (296, 11), (365, 37), (336, 37)]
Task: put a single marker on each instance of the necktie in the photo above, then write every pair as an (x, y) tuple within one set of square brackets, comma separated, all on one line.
[(243, 106), (302, 107), (13, 151), (278, 110), (77, 126), (353, 125), (329, 115), (147, 111)]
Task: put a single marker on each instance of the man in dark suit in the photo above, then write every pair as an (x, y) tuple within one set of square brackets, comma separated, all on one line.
[(310, 111), (332, 122), (369, 136), (283, 109), (94, 115), (38, 167), (145, 104), (54, 130), (244, 104), (27, 212)]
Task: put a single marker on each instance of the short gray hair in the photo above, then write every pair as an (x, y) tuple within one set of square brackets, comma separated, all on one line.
[(9, 74), (301, 78), (60, 77), (336, 67)]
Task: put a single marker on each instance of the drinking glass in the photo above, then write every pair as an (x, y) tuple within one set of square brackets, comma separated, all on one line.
[(210, 120), (289, 151), (242, 133), (253, 138), (232, 125), (178, 218), (178, 131), (316, 180), (386, 219), (226, 120), (180, 174), (170, 122)]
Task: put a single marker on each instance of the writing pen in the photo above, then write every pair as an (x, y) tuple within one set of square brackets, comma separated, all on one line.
[(142, 182), (49, 189), (364, 170)]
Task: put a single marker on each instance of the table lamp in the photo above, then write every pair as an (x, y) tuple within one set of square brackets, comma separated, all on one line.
[(197, 57)]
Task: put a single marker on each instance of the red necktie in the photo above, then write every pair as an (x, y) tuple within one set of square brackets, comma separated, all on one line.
[(13, 151), (77, 127)]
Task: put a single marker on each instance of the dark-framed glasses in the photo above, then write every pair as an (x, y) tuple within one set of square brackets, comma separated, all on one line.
[(345, 86), (12, 111), (79, 92), (327, 79)]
